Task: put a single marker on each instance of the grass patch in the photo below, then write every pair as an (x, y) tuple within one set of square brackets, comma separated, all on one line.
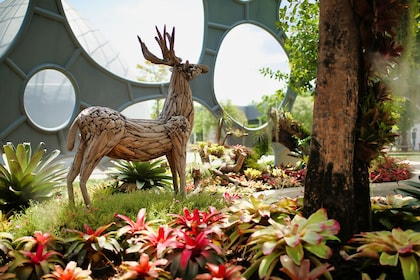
[(55, 215)]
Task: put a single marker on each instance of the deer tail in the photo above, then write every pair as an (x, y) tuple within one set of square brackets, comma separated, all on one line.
[(71, 136)]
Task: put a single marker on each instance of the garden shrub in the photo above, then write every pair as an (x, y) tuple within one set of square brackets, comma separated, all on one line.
[(389, 169)]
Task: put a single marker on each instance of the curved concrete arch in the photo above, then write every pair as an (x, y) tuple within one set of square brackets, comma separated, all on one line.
[(45, 41)]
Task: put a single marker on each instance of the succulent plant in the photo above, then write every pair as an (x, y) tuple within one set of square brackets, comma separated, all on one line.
[(295, 237), (28, 175), (141, 175), (390, 248)]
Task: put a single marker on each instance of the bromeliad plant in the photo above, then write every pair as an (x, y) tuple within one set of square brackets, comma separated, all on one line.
[(144, 268), (28, 175), (70, 272), (28, 265), (95, 248), (141, 175), (222, 271), (396, 248), (6, 245), (389, 169), (188, 243), (34, 256), (395, 210), (192, 254), (132, 228), (199, 237), (198, 221), (245, 215), (298, 238), (302, 271)]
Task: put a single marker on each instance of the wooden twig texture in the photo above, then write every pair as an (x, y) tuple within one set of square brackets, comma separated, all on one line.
[(106, 132)]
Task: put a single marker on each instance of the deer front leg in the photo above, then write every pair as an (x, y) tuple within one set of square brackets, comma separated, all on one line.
[(179, 130), (172, 165), (182, 165), (179, 152)]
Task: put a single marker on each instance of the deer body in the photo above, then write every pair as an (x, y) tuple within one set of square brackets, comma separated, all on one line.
[(106, 132)]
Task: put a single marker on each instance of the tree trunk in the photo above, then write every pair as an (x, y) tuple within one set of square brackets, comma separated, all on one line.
[(332, 168)]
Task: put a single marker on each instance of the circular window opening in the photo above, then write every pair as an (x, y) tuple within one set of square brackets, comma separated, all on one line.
[(49, 100), (238, 82), (110, 36), (12, 14)]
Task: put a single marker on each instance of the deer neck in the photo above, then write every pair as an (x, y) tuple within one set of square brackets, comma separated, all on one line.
[(179, 101)]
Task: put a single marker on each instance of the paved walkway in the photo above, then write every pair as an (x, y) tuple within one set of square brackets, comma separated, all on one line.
[(378, 189)]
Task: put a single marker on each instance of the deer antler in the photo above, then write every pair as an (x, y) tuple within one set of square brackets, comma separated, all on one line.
[(169, 57)]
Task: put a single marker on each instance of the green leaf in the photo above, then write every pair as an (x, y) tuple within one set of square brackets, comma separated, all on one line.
[(409, 267), (267, 265), (318, 217), (252, 269), (25, 272), (34, 162), (321, 250), (295, 253), (21, 155), (312, 237), (268, 247), (388, 259), (292, 240)]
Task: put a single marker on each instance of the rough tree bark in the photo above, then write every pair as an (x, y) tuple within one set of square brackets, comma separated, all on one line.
[(330, 180)]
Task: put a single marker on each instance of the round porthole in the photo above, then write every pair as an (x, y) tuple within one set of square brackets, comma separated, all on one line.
[(12, 14), (49, 100), (110, 37), (245, 50)]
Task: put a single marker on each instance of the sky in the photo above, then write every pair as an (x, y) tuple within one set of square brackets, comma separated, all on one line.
[(237, 74)]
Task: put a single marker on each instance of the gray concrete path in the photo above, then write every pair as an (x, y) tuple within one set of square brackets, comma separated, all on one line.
[(377, 189)]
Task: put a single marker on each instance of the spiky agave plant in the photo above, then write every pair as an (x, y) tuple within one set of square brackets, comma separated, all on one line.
[(28, 175)]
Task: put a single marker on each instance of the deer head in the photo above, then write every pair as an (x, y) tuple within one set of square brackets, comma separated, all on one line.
[(166, 44)]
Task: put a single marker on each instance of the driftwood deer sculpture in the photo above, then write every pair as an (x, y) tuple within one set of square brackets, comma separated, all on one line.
[(106, 132)]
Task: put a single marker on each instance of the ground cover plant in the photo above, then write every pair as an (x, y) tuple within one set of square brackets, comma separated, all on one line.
[(389, 169), (244, 238), (219, 231)]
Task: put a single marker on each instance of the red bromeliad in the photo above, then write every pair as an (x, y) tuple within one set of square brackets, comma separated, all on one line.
[(143, 268), (221, 271), (134, 227), (155, 243), (197, 221)]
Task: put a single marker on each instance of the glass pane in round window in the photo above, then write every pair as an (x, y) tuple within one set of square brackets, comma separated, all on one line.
[(244, 51), (110, 36), (12, 14), (49, 100)]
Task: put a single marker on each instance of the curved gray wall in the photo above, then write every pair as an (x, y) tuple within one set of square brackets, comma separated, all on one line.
[(46, 40)]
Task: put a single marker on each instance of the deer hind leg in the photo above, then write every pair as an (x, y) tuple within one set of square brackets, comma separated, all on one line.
[(97, 148), (90, 161), (75, 170)]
